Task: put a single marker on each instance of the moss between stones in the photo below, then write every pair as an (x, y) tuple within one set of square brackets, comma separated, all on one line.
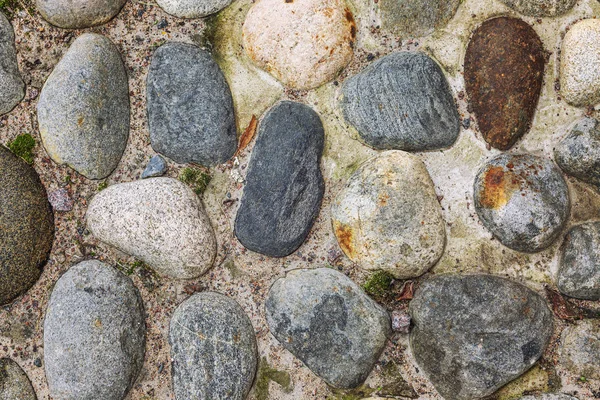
[(378, 284), (196, 179), (266, 374), (102, 186), (11, 7), (23, 146)]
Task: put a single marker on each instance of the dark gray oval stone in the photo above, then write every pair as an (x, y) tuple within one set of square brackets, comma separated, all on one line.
[(284, 185), (26, 226), (94, 334), (83, 111), (79, 14), (213, 348), (523, 200), (474, 333), (14, 383), (540, 8), (402, 101), (578, 154), (12, 88), (328, 322), (190, 108), (579, 268)]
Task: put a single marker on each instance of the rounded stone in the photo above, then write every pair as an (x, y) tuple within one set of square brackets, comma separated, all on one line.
[(27, 225), (416, 18), (540, 8), (213, 348), (402, 101), (14, 383), (192, 8), (523, 200), (388, 216), (473, 334), (12, 88), (94, 334), (329, 323), (578, 154), (160, 221), (190, 109), (579, 350), (549, 396), (83, 110), (79, 14), (304, 44), (580, 64)]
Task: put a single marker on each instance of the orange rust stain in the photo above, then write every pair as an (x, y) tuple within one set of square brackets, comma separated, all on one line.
[(383, 199), (345, 237), (498, 186), (351, 22)]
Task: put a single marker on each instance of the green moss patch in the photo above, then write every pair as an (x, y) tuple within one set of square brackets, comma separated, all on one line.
[(378, 284), (266, 374), (196, 179), (23, 146)]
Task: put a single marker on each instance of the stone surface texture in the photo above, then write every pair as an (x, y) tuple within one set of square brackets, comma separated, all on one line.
[(156, 167), (192, 8), (578, 154), (14, 383), (415, 18), (579, 350), (549, 396), (540, 8), (12, 87), (78, 14)]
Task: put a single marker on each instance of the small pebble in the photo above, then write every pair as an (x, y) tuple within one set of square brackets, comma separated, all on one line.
[(60, 200), (157, 166)]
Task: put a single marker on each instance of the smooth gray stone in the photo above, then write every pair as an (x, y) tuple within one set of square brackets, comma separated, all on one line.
[(12, 88), (94, 334), (523, 200), (474, 333), (540, 8), (213, 348), (579, 349), (77, 14), (284, 184), (578, 154), (190, 108), (402, 101), (328, 322), (192, 8), (14, 383), (415, 18), (156, 167), (26, 226), (83, 111), (549, 396)]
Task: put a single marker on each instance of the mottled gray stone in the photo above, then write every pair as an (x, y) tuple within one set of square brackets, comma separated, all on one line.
[(540, 8), (12, 88), (329, 323), (192, 8), (579, 268), (160, 221), (83, 111), (578, 154), (284, 185), (190, 108), (27, 226), (549, 396), (402, 101), (213, 348), (79, 14), (523, 200), (579, 350), (14, 383), (157, 166), (415, 18), (474, 333), (60, 200), (94, 334)]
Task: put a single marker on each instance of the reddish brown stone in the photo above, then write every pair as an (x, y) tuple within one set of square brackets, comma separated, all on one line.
[(504, 71)]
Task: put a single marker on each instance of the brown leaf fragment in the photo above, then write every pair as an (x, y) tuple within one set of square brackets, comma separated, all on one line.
[(192, 288), (407, 291), (561, 307), (248, 135)]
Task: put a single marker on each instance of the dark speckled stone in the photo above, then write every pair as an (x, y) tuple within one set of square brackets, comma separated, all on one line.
[(540, 8), (329, 323), (14, 383), (26, 226)]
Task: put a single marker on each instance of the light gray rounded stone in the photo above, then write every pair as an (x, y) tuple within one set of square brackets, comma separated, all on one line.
[(549, 396), (14, 383), (160, 221), (540, 8), (12, 88), (328, 322), (78, 14), (83, 110), (579, 350), (213, 348), (415, 18), (192, 8), (94, 334), (388, 216), (190, 108)]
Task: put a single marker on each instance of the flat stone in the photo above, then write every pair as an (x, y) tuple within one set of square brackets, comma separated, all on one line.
[(12, 88), (523, 200), (79, 14), (579, 268), (192, 8), (27, 226), (303, 44), (190, 108), (284, 184), (580, 64), (579, 350), (160, 221), (94, 334), (60, 200), (549, 396), (388, 216), (415, 18), (504, 72), (402, 101), (474, 333), (14, 383), (578, 154), (83, 110), (540, 8), (213, 348), (329, 323), (156, 167)]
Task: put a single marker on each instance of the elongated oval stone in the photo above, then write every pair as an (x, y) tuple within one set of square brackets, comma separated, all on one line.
[(213, 347), (190, 108), (284, 185), (504, 72), (578, 154), (79, 14), (83, 111), (540, 8), (403, 101), (12, 87), (415, 18), (14, 383), (94, 334)]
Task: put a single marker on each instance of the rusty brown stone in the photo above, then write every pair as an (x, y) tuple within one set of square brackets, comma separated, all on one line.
[(504, 72)]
